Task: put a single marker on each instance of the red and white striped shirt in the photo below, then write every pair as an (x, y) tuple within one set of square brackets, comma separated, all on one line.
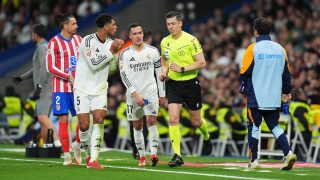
[(62, 58)]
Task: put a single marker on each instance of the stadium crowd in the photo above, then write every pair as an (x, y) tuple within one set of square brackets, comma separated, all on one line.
[(224, 38), (17, 17)]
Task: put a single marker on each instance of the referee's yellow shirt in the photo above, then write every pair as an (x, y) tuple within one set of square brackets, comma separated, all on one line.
[(181, 51)]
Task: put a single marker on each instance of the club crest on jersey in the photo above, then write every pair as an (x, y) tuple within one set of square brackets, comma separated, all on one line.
[(58, 107), (148, 56)]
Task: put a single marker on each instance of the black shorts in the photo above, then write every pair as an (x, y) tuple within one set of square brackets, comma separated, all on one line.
[(185, 92)]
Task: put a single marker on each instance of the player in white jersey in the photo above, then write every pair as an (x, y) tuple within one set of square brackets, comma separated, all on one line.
[(138, 63), (91, 86)]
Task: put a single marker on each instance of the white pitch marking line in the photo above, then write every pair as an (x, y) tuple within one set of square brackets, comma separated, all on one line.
[(264, 171), (150, 170), (231, 168)]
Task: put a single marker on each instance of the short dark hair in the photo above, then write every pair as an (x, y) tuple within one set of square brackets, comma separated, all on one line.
[(40, 30), (133, 25), (103, 19), (261, 25), (176, 14), (63, 19), (146, 34)]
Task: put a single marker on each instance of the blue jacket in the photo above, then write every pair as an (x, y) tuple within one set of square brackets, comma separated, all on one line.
[(264, 74)]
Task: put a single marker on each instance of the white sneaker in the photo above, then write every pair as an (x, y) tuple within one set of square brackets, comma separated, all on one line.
[(67, 160), (254, 165), (288, 161), (57, 143), (76, 153)]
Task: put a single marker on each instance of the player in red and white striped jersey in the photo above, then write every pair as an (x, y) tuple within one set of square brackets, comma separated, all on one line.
[(61, 62)]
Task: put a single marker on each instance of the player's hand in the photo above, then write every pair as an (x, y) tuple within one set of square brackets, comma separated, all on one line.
[(16, 79), (175, 67), (138, 98), (162, 101), (286, 97), (116, 45), (163, 76), (36, 93), (71, 79)]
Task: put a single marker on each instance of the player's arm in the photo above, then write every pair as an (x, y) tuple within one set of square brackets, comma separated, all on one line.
[(164, 69), (124, 73), (50, 61), (246, 68), (17, 79), (96, 60), (158, 70), (42, 51), (286, 76)]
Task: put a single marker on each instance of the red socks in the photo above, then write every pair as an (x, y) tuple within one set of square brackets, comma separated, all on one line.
[(77, 133), (64, 136)]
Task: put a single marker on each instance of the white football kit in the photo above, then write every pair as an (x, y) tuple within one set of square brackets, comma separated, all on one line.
[(92, 69), (138, 70)]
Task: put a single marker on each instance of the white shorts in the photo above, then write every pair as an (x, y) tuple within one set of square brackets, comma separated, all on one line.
[(136, 112), (85, 103)]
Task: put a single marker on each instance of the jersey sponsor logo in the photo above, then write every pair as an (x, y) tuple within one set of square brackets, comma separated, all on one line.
[(140, 66), (97, 50), (73, 62), (269, 56)]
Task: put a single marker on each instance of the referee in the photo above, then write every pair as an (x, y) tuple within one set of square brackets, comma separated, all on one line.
[(181, 58)]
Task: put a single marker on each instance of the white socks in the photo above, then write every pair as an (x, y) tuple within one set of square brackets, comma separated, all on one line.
[(96, 139), (139, 140), (85, 141), (153, 139)]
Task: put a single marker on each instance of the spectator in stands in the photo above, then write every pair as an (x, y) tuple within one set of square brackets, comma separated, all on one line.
[(88, 7)]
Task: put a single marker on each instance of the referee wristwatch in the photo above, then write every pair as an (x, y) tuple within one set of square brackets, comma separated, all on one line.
[(182, 69)]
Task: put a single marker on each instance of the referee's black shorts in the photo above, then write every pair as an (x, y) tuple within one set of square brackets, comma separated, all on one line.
[(185, 92)]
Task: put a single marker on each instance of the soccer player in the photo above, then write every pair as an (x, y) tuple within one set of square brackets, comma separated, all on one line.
[(138, 63), (91, 85), (41, 82), (181, 58), (62, 56), (147, 38), (264, 77)]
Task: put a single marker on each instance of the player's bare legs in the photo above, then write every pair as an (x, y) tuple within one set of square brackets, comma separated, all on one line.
[(46, 123), (153, 138)]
